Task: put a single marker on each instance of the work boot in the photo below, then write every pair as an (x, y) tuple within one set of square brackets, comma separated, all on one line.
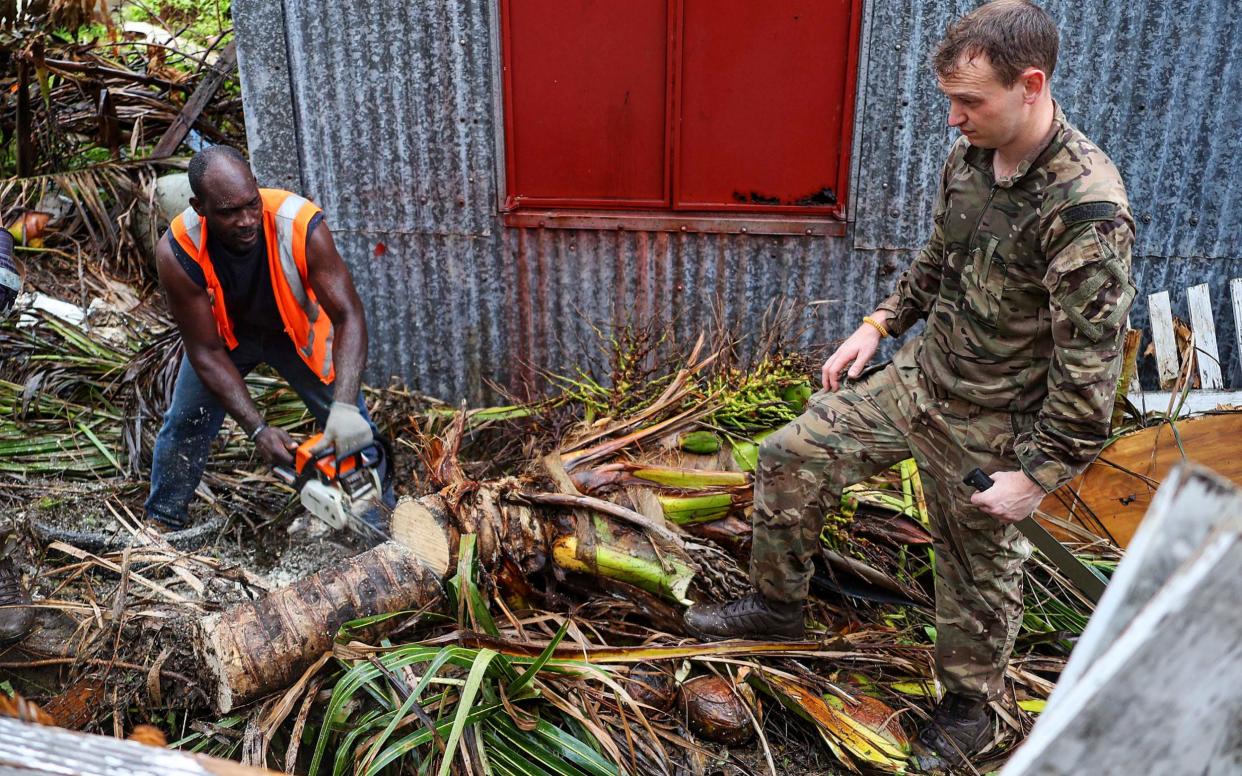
[(750, 617), (16, 614), (959, 728)]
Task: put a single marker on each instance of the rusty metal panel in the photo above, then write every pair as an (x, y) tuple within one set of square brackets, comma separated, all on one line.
[(393, 130), (394, 113), (395, 133), (447, 314), (904, 135)]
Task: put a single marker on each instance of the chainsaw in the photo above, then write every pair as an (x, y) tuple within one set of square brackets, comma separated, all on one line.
[(342, 492)]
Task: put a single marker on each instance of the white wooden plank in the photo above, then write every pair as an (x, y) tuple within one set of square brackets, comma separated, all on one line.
[(1207, 357), (1194, 522), (1235, 295), (1162, 338), (27, 749), (1197, 402)]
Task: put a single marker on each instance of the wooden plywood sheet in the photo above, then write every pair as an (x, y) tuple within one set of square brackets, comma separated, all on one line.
[(1118, 487)]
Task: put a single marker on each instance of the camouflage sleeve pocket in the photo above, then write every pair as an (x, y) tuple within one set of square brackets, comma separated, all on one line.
[(1098, 291)]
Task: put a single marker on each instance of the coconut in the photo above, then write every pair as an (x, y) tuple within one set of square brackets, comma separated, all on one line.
[(652, 686), (715, 711)]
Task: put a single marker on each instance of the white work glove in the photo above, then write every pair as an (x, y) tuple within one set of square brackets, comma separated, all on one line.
[(346, 430)]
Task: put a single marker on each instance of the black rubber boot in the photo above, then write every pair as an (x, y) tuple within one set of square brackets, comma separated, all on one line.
[(959, 728), (751, 617), (16, 614)]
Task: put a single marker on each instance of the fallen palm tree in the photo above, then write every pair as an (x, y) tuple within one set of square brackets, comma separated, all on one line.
[(622, 518), (573, 568)]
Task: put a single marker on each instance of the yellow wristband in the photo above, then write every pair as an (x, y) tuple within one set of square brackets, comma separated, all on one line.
[(872, 322)]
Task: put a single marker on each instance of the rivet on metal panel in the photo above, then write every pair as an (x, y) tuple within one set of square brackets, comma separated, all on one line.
[(743, 230), (808, 231), (683, 228)]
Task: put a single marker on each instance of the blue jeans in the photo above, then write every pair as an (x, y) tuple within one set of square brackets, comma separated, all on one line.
[(194, 418)]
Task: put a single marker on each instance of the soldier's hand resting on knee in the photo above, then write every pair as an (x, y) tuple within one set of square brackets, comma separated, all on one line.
[(857, 350), (1012, 497)]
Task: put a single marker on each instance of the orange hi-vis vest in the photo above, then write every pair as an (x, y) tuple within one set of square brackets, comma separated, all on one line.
[(285, 218)]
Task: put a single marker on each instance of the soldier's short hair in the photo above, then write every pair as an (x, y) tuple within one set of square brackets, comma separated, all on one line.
[(1012, 34)]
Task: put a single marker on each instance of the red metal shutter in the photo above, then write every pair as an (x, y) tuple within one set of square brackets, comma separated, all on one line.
[(693, 105), (586, 99), (765, 89)]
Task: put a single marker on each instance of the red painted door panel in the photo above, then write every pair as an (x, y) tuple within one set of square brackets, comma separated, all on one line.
[(586, 102), (763, 98)]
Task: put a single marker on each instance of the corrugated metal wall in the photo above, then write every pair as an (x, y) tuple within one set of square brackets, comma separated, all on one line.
[(385, 113)]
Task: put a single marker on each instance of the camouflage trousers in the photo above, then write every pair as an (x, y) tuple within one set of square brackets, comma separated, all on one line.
[(844, 437)]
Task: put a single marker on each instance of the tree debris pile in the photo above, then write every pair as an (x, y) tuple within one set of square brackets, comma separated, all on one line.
[(555, 636), (94, 107)]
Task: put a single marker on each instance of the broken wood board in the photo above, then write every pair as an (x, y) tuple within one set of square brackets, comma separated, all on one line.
[(207, 88), (26, 748), (1117, 488), (1161, 653)]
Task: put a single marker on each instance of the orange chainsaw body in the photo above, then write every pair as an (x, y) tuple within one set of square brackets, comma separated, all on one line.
[(328, 466), (335, 490)]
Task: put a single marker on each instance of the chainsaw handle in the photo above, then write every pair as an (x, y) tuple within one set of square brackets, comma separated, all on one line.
[(364, 454)]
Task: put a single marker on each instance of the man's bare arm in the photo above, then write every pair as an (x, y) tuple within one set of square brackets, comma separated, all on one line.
[(191, 309)]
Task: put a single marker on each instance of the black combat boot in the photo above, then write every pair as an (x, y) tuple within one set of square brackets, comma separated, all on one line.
[(750, 617), (16, 614), (959, 728)]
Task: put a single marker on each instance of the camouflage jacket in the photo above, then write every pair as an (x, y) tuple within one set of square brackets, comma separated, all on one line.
[(1025, 286)]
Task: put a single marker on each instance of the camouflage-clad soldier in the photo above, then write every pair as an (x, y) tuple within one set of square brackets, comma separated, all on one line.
[(1024, 286)]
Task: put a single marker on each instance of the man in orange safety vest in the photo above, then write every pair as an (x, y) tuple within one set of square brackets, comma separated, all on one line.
[(252, 276)]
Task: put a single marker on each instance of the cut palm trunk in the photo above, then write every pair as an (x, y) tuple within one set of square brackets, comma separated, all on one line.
[(260, 646)]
